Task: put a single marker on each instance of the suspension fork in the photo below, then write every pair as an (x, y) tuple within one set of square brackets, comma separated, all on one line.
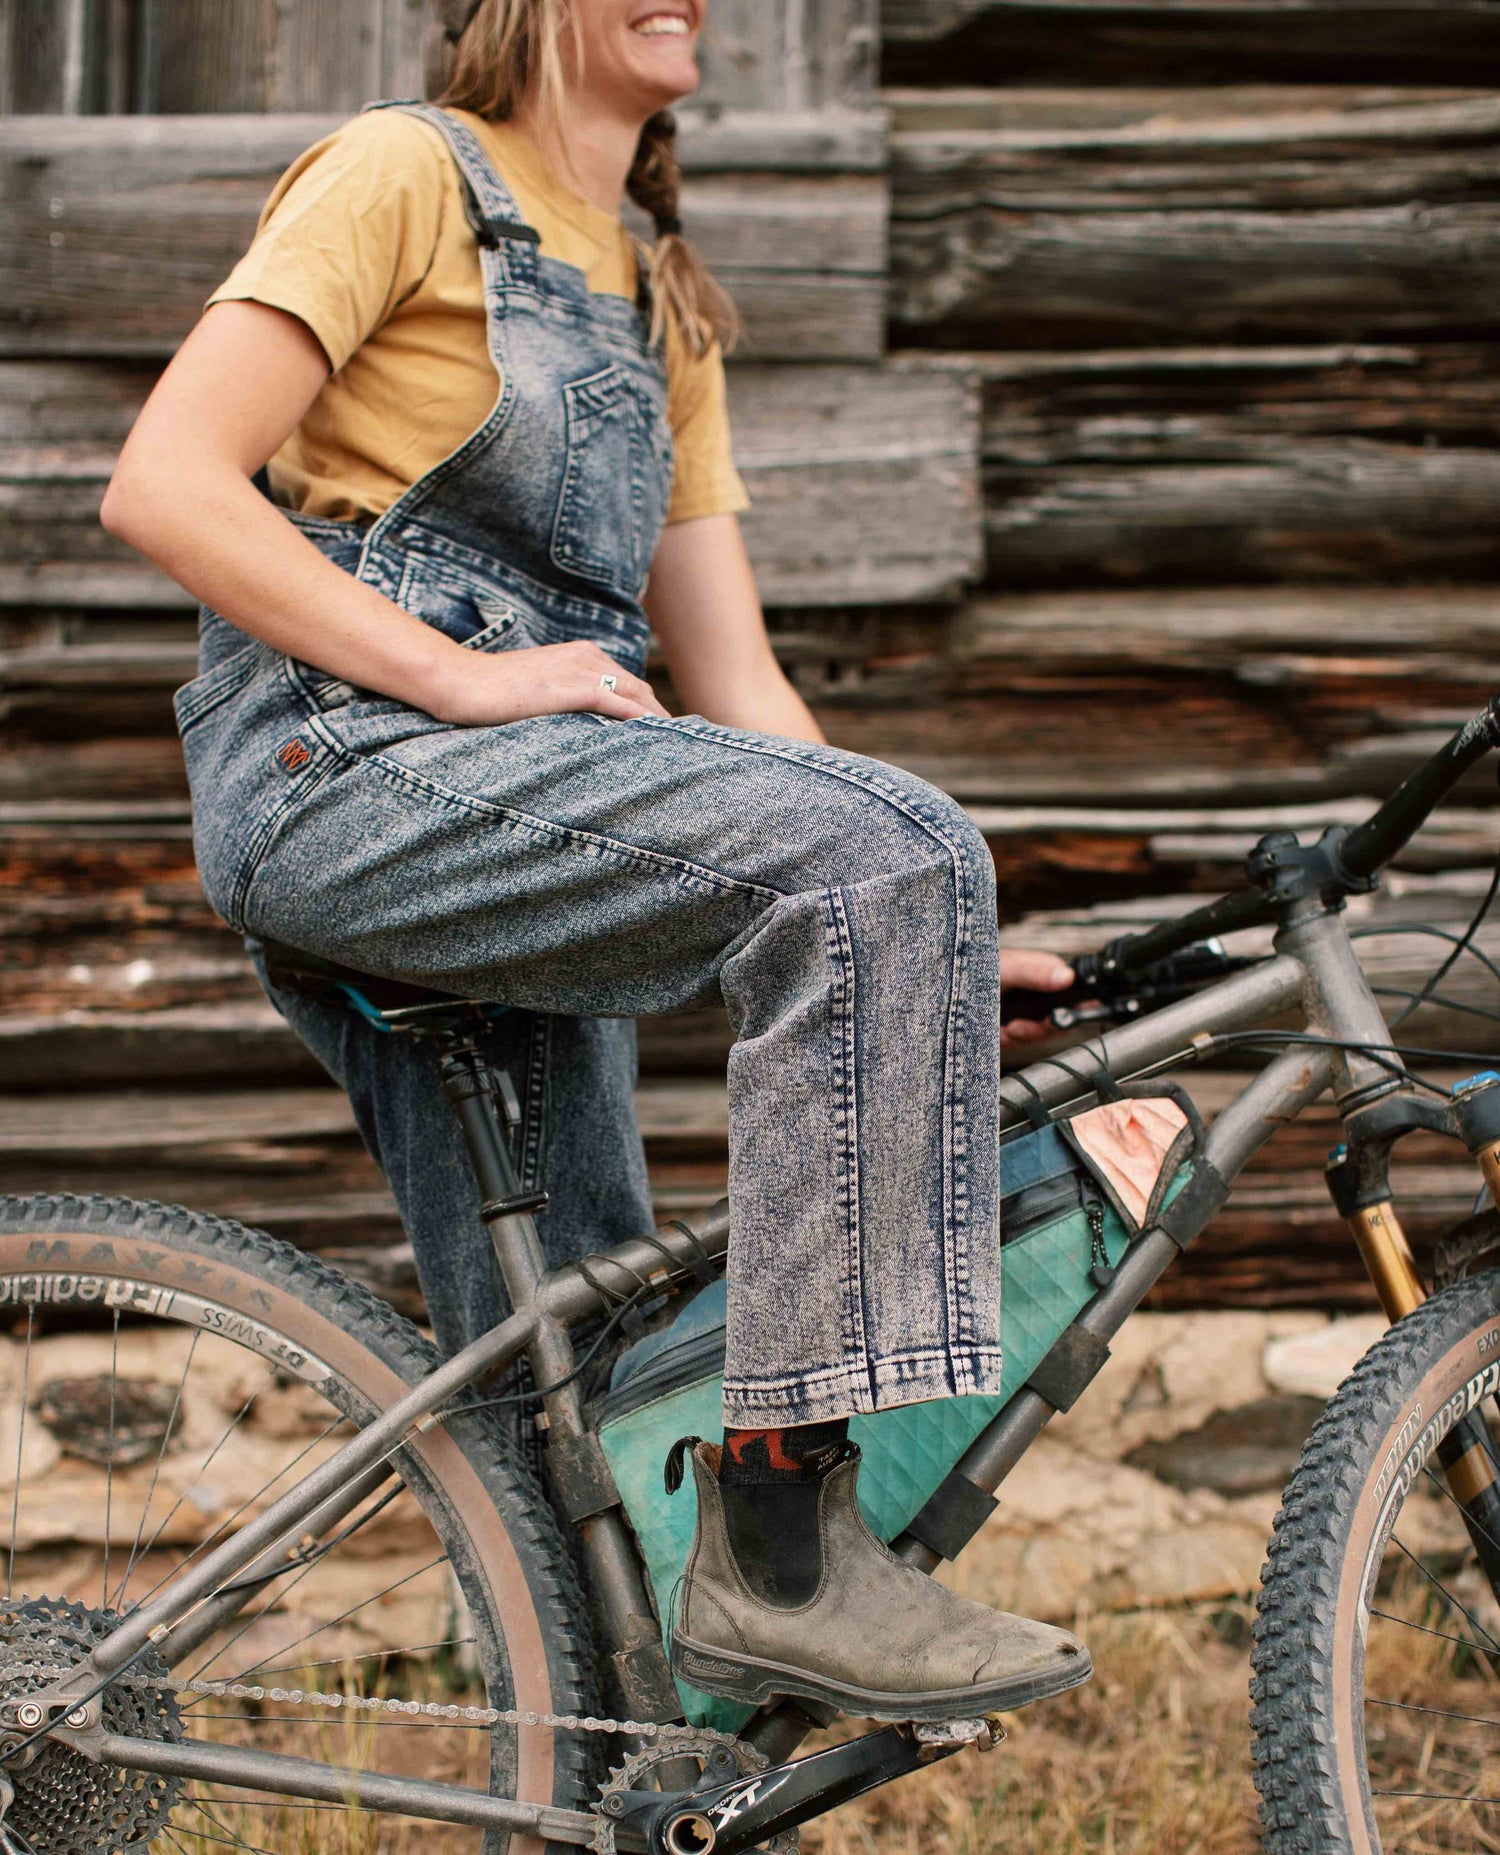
[(1358, 1178)]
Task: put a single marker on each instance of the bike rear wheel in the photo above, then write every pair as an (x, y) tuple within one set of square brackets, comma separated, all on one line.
[(1376, 1690), (172, 1373)]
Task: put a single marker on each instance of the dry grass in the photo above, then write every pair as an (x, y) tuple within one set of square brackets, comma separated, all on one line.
[(1152, 1756)]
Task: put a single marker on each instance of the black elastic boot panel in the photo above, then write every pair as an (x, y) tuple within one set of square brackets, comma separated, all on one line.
[(770, 1482)]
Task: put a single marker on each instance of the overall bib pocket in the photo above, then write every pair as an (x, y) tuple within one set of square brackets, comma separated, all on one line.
[(608, 518)]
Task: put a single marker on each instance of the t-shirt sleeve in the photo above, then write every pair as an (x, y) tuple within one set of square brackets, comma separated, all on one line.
[(349, 230), (704, 480)]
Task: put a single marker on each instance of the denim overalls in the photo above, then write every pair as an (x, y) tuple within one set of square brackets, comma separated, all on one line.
[(585, 871)]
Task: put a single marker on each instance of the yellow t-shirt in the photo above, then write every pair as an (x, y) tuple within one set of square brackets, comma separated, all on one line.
[(364, 239)]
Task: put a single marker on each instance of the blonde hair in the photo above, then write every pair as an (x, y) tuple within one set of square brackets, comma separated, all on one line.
[(495, 56)]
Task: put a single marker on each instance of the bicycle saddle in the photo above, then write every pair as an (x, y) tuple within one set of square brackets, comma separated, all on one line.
[(331, 982)]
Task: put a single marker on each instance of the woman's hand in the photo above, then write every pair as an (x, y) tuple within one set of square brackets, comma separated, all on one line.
[(471, 689), (1038, 972)]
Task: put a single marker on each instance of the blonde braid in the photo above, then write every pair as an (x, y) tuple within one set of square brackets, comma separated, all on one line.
[(682, 283)]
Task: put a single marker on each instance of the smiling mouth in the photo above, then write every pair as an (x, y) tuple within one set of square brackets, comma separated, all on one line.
[(661, 26)]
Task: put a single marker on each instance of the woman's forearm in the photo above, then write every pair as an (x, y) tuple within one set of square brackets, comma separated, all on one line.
[(218, 536), (706, 611), (766, 702)]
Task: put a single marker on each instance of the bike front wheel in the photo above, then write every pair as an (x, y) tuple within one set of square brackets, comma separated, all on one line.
[(1376, 1686), (168, 1375)]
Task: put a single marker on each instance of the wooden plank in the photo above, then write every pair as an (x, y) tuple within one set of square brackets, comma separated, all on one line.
[(240, 55), (113, 231), (231, 55), (1198, 41), (244, 1041), (1216, 631), (864, 484), (789, 54), (987, 731), (94, 1127), (50, 55), (289, 1161), (1071, 219), (1241, 464)]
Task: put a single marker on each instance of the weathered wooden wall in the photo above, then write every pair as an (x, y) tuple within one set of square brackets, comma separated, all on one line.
[(1123, 442)]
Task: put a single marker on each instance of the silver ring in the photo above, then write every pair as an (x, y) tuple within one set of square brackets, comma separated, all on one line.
[(608, 682)]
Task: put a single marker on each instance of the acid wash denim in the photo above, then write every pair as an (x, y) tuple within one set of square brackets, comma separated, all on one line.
[(586, 871)]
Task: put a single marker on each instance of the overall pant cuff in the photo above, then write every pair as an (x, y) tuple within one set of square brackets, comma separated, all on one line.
[(845, 1391)]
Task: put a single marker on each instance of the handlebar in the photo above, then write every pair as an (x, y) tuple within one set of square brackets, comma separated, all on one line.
[(1371, 845), (1344, 862)]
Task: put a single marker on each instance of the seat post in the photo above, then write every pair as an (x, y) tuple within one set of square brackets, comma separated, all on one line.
[(479, 1097), (484, 1100)]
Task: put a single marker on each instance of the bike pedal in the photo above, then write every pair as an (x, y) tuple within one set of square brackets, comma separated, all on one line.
[(982, 1733)]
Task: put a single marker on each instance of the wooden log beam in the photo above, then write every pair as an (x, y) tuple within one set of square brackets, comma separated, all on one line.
[(1198, 41), (113, 230), (1238, 464), (988, 735), (1390, 630), (1072, 219), (290, 1161), (864, 483)]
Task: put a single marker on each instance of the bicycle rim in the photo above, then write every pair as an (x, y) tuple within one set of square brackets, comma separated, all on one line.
[(170, 1375)]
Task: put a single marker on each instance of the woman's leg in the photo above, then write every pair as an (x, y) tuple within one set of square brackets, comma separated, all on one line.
[(845, 914), (843, 910)]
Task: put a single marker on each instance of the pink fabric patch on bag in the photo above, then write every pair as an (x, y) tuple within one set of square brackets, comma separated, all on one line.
[(1129, 1142)]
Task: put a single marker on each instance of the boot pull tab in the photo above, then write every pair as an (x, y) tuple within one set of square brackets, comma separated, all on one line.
[(676, 1459)]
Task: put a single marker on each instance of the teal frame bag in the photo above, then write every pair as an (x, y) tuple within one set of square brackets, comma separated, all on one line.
[(1063, 1228)]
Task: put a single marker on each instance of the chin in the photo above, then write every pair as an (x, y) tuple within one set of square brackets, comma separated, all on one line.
[(660, 89)]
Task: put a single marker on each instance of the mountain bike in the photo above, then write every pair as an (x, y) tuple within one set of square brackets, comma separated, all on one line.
[(239, 1677)]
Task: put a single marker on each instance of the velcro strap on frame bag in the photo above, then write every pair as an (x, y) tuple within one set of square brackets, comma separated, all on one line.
[(1076, 1194)]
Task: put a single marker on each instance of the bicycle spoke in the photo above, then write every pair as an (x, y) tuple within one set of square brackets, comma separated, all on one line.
[(236, 1843), (254, 1616), (343, 1616), (203, 1466), (1447, 1493), (109, 1450), (1441, 1713), (221, 1530), (161, 1456), (281, 1594), (1407, 1624), (1435, 1796), (364, 1655), (1443, 1591), (15, 1499)]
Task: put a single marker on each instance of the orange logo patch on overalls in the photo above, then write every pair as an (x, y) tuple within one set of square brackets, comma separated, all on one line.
[(294, 755)]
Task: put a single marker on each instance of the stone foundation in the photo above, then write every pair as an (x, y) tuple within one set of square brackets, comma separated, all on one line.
[(1161, 1485)]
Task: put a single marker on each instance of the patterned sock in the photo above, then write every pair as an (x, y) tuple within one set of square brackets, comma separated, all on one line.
[(770, 1481)]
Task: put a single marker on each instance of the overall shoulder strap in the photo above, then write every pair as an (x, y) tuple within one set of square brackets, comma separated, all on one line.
[(489, 205)]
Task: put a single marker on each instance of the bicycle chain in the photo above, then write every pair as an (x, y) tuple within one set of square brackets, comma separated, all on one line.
[(359, 1703)]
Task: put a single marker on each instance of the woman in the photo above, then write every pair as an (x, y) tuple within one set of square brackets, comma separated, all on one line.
[(421, 743)]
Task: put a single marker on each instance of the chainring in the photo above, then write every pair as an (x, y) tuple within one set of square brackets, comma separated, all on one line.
[(639, 1765), (64, 1804)]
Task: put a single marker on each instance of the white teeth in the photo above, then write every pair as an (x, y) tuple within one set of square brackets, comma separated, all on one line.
[(661, 25)]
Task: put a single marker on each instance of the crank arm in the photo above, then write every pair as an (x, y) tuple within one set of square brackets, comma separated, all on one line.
[(744, 1812)]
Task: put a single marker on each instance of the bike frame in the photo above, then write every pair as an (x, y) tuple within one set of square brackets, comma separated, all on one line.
[(1313, 973)]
